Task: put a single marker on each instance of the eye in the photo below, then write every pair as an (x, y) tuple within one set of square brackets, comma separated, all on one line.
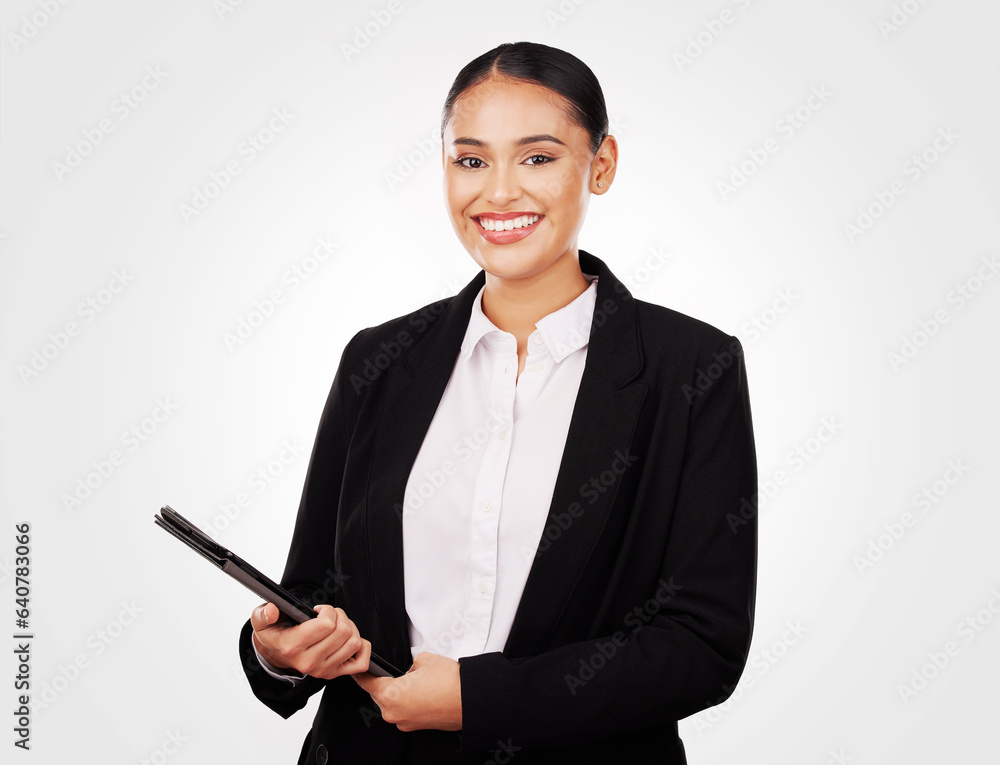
[(545, 160), (462, 160)]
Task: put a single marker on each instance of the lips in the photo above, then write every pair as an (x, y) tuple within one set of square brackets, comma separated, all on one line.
[(507, 228)]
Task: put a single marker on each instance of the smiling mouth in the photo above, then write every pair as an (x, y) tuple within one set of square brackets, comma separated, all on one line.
[(492, 224)]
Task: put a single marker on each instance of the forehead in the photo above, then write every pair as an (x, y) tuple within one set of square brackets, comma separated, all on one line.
[(498, 111)]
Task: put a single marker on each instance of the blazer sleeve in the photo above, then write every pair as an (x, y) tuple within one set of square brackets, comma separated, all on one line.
[(308, 572), (691, 654)]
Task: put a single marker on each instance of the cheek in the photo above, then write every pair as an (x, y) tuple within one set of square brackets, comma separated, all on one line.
[(558, 191), (459, 194)]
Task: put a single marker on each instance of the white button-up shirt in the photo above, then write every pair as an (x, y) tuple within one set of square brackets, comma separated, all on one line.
[(479, 491)]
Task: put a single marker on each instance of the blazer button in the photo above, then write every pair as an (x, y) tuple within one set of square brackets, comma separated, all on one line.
[(321, 754)]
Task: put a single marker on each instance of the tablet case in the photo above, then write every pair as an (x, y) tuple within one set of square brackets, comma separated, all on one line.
[(221, 557)]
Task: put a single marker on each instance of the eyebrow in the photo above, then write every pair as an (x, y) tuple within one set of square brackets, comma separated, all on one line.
[(467, 141)]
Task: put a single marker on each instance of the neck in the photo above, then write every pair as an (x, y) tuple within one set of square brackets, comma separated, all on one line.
[(514, 305)]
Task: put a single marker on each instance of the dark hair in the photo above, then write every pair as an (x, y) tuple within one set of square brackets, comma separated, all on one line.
[(543, 65)]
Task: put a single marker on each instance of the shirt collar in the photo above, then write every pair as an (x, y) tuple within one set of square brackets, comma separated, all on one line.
[(564, 330)]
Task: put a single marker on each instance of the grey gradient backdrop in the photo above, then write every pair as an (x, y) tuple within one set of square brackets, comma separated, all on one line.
[(342, 212)]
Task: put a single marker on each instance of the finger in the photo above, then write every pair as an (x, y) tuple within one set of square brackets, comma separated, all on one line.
[(297, 639), (323, 657), (329, 613), (265, 615), (341, 646), (311, 633), (358, 664), (376, 686)]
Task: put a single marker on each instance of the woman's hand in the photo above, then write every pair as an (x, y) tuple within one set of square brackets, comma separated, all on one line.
[(428, 696), (322, 647)]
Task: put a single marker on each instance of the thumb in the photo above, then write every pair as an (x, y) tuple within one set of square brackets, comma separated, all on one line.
[(418, 661), (264, 615)]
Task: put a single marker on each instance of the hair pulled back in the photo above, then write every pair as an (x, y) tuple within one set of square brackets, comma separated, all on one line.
[(552, 68)]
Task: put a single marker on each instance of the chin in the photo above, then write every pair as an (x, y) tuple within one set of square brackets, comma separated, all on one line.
[(511, 265)]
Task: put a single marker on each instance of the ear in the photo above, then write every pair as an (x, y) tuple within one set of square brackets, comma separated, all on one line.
[(604, 165)]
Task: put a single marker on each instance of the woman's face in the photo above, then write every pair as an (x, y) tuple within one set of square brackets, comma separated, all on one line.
[(510, 150)]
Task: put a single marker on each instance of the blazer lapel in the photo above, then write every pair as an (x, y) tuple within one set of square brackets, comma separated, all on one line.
[(602, 423), (601, 427), (413, 390)]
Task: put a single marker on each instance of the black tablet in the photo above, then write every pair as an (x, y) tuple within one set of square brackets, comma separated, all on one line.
[(221, 557)]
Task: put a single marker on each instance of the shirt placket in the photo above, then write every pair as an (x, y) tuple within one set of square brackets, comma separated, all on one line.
[(487, 499), (536, 370)]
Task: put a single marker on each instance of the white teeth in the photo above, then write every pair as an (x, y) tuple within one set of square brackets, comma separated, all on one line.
[(508, 225)]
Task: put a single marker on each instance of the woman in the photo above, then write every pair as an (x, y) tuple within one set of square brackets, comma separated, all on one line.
[(539, 492)]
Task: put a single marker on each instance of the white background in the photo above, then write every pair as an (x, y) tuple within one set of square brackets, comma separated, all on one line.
[(820, 309)]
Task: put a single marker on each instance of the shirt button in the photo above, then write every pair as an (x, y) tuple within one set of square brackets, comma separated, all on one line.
[(502, 435), (482, 587), (535, 368), (539, 340), (487, 506)]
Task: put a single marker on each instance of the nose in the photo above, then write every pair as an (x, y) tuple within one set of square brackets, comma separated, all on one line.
[(502, 186)]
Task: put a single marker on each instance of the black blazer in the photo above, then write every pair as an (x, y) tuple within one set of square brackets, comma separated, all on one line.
[(638, 608)]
